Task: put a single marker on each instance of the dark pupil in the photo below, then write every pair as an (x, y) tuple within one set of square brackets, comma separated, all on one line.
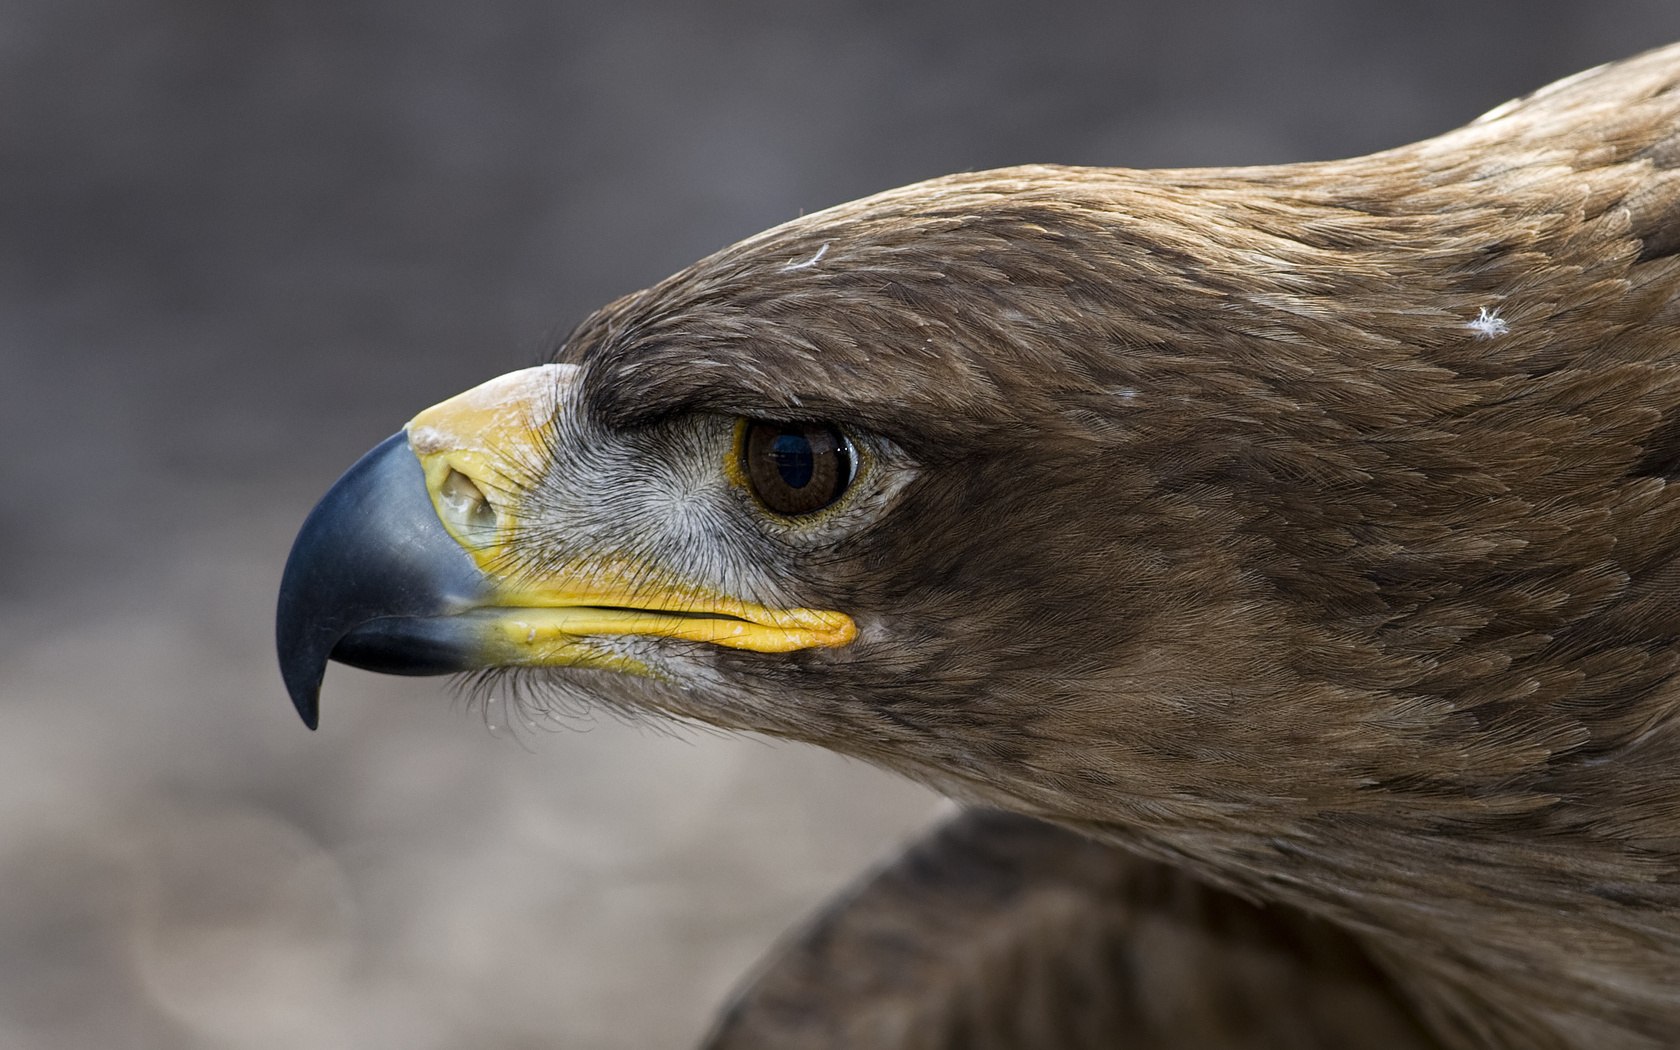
[(795, 460), (795, 468)]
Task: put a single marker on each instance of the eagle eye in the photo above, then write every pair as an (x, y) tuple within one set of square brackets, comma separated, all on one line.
[(796, 468)]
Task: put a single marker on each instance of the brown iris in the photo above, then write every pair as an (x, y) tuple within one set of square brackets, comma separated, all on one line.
[(795, 468)]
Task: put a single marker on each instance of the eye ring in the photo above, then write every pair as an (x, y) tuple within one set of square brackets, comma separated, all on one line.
[(794, 469)]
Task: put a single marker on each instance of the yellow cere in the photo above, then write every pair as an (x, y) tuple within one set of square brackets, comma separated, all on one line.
[(473, 448)]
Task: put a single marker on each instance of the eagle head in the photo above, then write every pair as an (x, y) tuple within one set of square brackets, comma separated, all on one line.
[(1288, 523), (895, 478)]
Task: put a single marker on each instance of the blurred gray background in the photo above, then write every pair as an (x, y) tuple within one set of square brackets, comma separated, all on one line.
[(242, 242)]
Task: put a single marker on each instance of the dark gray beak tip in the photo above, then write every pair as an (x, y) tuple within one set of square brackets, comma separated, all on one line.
[(301, 665), (305, 624), (373, 580), (308, 704), (312, 612)]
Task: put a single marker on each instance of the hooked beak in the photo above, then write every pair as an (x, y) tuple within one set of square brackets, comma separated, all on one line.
[(399, 568), (373, 580)]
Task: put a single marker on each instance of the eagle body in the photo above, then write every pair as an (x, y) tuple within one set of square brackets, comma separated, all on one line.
[(1311, 530)]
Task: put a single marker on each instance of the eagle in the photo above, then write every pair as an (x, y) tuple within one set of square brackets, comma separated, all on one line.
[(1282, 562)]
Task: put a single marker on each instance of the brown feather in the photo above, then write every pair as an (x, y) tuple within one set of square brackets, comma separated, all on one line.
[(1001, 933), (1313, 528)]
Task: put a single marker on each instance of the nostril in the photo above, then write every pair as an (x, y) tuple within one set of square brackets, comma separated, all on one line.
[(465, 504)]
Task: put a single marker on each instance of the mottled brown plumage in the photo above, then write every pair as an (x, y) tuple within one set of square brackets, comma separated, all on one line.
[(1312, 530), (1001, 933)]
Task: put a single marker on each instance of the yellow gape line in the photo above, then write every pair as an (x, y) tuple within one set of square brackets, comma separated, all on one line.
[(475, 450)]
